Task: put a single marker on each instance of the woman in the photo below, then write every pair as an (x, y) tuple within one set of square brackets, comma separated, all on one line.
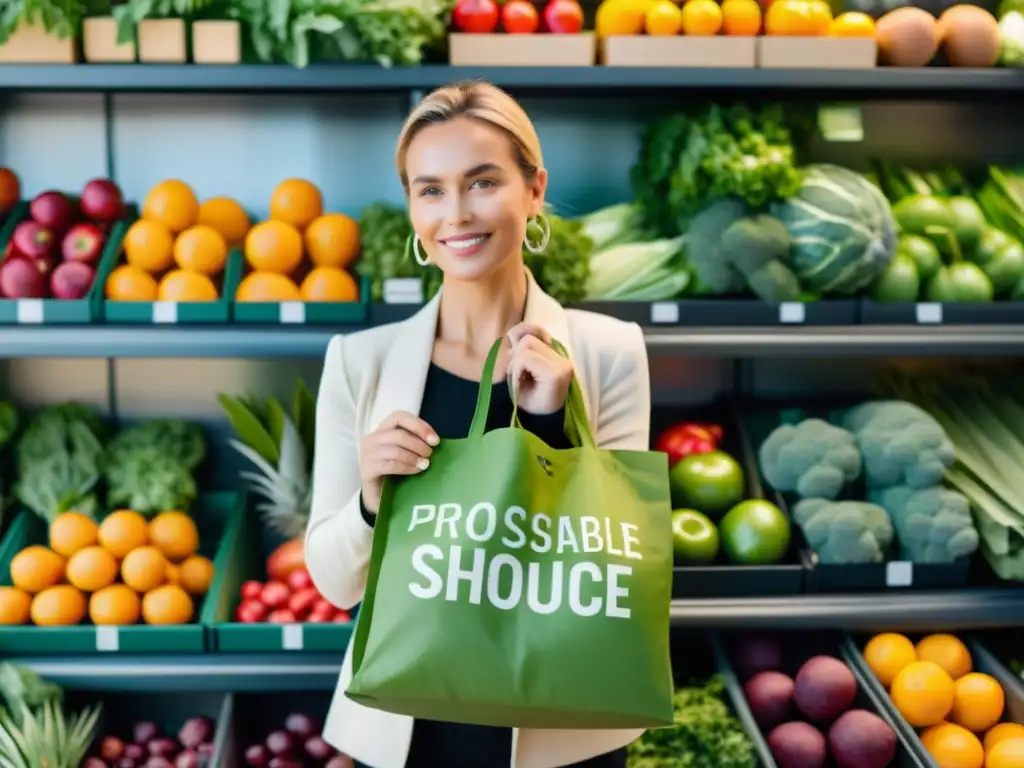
[(471, 165)]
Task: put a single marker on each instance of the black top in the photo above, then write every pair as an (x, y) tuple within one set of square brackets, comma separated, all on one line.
[(448, 405)]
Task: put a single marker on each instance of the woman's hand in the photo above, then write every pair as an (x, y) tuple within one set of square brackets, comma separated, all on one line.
[(538, 375), (401, 445)]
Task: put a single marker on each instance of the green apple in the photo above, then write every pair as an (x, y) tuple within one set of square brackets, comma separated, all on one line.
[(708, 482), (694, 537), (755, 532)]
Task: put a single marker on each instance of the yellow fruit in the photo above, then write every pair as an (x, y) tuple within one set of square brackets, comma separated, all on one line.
[(297, 202), (978, 702), (702, 17), (663, 19), (1008, 753), (1001, 732), (72, 531), (948, 651), (59, 606), (174, 534), (195, 574), (852, 24), (149, 246), (179, 285), (741, 18), (35, 568), (173, 204), (267, 286), (953, 746), (923, 693), (144, 568), (116, 605), (887, 654), (620, 17), (227, 217), (122, 531), (14, 605), (201, 249), (92, 569), (168, 604)]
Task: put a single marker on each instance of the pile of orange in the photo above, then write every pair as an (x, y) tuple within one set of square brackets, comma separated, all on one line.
[(178, 249), (959, 711), (300, 253), (115, 572)]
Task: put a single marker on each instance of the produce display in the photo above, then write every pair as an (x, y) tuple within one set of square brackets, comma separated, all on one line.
[(145, 745), (517, 17), (297, 743)]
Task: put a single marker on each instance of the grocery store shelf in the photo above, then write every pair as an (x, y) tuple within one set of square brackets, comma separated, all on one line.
[(360, 77)]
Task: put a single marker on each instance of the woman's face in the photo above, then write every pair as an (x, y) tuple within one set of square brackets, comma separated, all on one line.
[(468, 199)]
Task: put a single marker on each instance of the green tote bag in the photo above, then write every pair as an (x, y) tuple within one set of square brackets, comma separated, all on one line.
[(516, 585)]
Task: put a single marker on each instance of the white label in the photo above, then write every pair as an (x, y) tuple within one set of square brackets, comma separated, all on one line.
[(107, 639), (841, 123), (293, 312), (899, 573), (403, 290), (930, 312), (664, 312), (291, 637), (165, 312), (30, 311), (792, 312)]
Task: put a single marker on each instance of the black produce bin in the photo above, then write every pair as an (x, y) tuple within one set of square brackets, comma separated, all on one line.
[(758, 422), (797, 648), (256, 715), (723, 579), (931, 314), (729, 312)]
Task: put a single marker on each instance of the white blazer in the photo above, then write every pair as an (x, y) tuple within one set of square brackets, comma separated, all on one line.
[(369, 375)]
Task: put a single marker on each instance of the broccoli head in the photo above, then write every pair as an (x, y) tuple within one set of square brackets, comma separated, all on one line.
[(844, 532), (814, 459), (933, 525), (901, 444)]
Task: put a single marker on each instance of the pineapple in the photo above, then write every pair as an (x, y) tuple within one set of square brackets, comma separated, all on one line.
[(48, 737), (280, 446)]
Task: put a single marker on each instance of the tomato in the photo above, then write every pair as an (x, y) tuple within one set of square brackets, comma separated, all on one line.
[(275, 594), (519, 17), (250, 612), (478, 17), (281, 616), (251, 590), (563, 17), (299, 579), (302, 602)]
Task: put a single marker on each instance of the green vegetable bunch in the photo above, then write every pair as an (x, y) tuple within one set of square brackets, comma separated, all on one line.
[(385, 231), (563, 269)]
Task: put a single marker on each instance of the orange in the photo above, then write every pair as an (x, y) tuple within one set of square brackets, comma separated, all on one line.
[(173, 574), (175, 534), (36, 568), (332, 240), (741, 17), (852, 24), (195, 574), (227, 217), (923, 693), (116, 605), (1008, 753), (329, 284), (821, 15), (14, 605), (886, 654), (179, 285), (267, 286), (72, 531), (1001, 732), (168, 604), (122, 531), (953, 746), (58, 606), (948, 651), (10, 189), (173, 204), (273, 246), (701, 17), (663, 19), (201, 249), (92, 569), (149, 245), (128, 283), (296, 202), (978, 702), (144, 568), (795, 18)]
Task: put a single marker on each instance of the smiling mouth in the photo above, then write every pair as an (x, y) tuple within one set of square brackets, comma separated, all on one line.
[(465, 243)]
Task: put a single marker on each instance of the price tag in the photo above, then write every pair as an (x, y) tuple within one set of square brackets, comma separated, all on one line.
[(30, 311), (165, 312), (841, 122), (107, 639), (291, 637), (929, 312), (664, 313), (403, 290), (792, 312), (899, 573), (293, 312)]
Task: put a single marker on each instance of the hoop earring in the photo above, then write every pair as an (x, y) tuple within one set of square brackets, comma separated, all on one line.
[(545, 234), (412, 246)]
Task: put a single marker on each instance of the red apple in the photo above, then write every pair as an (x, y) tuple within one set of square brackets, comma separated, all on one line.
[(71, 280), (44, 264), (20, 279), (32, 239), (563, 17), (83, 242), (102, 201), (53, 211)]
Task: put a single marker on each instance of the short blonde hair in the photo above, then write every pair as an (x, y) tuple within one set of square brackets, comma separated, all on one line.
[(478, 101)]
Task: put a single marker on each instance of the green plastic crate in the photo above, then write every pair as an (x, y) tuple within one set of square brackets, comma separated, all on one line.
[(175, 312), (213, 514), (241, 559), (305, 312), (60, 311)]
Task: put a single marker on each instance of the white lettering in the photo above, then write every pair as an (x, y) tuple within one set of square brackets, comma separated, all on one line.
[(611, 550), (510, 522), (475, 576), (422, 513), (515, 593), (590, 527), (419, 562), (566, 535), (455, 512), (540, 527), (533, 588), (492, 521), (616, 592), (628, 529), (576, 589)]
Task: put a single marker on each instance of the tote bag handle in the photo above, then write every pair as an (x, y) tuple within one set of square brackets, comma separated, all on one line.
[(575, 408)]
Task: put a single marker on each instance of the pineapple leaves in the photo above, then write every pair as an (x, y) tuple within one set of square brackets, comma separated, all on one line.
[(276, 418), (304, 414), (249, 428)]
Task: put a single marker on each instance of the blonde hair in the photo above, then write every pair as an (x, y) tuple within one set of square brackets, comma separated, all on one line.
[(478, 101)]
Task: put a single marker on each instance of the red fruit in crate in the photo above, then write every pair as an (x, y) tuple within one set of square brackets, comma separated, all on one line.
[(302, 602), (102, 201), (33, 239), (299, 579), (21, 279), (478, 17), (519, 17), (83, 242), (111, 748), (10, 189), (563, 17), (71, 280), (341, 618), (251, 590), (288, 557), (281, 616), (275, 594), (251, 612), (135, 750), (53, 211)]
